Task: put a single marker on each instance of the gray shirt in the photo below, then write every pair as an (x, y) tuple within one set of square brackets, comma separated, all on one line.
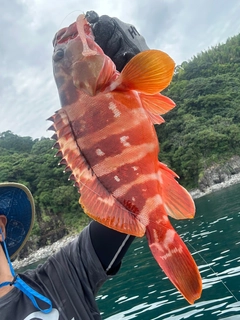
[(70, 279)]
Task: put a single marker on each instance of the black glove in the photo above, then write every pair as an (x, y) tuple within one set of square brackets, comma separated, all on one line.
[(120, 41)]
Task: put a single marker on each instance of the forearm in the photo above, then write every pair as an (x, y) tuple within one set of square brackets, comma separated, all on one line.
[(109, 245)]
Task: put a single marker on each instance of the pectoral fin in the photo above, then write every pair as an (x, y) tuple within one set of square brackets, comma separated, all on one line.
[(148, 72)]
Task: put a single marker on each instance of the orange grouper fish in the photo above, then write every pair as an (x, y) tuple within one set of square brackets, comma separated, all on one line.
[(106, 137)]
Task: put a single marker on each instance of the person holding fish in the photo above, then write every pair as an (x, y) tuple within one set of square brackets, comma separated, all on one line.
[(88, 58)]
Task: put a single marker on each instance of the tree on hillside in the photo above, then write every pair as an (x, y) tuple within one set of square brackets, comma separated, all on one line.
[(203, 129)]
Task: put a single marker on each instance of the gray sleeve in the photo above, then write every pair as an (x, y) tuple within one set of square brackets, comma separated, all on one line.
[(81, 254), (70, 278)]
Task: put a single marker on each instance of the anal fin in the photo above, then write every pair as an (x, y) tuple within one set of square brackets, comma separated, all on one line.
[(177, 202)]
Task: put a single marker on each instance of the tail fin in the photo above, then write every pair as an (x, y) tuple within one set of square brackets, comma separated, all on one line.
[(176, 261)]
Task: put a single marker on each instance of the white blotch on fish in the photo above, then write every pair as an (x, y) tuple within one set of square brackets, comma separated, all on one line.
[(112, 106), (99, 152), (123, 140), (169, 237)]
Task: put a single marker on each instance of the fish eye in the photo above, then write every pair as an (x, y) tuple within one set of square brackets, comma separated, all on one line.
[(58, 55)]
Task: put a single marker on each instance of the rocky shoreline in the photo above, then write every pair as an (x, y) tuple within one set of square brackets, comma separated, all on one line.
[(46, 251), (234, 179), (43, 252)]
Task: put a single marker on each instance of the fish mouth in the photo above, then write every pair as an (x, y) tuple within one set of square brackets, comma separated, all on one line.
[(65, 35)]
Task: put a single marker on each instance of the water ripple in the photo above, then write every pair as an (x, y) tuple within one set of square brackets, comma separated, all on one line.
[(142, 291)]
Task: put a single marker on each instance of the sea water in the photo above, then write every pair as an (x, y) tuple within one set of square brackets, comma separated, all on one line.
[(142, 291)]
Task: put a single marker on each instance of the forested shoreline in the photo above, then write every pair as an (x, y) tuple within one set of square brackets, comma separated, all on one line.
[(201, 132), (33, 163), (203, 129)]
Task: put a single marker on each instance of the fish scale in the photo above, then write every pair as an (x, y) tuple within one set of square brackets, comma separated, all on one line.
[(114, 165), (106, 137)]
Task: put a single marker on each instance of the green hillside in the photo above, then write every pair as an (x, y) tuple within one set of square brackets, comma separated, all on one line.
[(32, 163), (203, 129)]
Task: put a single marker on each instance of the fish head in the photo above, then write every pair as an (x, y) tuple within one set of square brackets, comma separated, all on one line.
[(78, 62)]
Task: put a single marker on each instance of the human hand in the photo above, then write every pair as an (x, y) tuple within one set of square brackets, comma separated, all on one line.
[(120, 41)]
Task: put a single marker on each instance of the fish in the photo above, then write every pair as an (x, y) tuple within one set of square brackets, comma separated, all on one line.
[(105, 135)]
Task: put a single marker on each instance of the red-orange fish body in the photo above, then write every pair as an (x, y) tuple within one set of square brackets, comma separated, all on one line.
[(106, 137)]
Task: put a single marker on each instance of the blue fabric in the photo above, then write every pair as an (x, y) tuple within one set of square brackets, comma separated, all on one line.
[(15, 205)]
